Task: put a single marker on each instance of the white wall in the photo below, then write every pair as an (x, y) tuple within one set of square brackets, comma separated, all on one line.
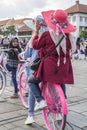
[(78, 23)]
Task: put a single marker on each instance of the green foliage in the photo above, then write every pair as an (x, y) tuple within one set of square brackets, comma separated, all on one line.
[(83, 34), (0, 31), (9, 30)]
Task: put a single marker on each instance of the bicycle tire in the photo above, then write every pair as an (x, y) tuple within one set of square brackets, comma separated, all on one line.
[(23, 88), (56, 105), (2, 82)]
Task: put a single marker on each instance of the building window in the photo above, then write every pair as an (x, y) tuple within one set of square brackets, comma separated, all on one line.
[(25, 33), (83, 28), (81, 19), (74, 18), (69, 19), (85, 19)]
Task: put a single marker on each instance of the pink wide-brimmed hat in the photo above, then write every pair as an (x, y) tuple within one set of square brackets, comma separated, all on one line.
[(57, 20)]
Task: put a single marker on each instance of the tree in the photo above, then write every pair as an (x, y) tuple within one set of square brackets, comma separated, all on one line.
[(9, 30), (83, 34), (0, 31)]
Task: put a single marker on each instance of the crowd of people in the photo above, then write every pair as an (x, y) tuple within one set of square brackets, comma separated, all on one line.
[(56, 68), (5, 42)]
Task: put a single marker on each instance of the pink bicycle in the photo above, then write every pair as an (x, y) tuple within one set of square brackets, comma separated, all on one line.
[(56, 111), (23, 83)]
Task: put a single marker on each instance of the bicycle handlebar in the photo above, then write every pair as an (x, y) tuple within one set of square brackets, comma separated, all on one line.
[(5, 50)]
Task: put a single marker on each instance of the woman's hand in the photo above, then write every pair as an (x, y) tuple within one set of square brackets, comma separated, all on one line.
[(15, 49), (38, 26)]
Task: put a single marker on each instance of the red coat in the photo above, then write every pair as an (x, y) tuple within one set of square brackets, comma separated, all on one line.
[(48, 69)]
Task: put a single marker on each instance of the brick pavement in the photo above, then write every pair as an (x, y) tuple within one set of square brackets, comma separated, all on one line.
[(13, 114)]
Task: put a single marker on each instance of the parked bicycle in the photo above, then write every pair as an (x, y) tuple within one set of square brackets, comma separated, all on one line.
[(3, 70)]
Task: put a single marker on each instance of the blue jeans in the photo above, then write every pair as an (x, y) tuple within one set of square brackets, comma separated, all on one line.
[(34, 87), (63, 86), (34, 92), (13, 70), (31, 100), (31, 103)]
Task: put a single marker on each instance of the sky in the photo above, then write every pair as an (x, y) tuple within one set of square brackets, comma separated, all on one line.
[(30, 8)]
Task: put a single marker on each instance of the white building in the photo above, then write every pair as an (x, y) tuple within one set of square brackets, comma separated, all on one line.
[(77, 15)]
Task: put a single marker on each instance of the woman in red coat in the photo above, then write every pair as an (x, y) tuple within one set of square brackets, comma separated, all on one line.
[(57, 67)]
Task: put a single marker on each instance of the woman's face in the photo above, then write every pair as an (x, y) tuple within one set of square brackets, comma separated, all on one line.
[(15, 43)]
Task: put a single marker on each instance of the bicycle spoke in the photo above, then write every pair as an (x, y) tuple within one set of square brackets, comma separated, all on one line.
[(2, 82)]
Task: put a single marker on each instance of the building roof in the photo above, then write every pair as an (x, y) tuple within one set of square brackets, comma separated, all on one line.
[(18, 22), (77, 8), (24, 28), (13, 21), (4, 22)]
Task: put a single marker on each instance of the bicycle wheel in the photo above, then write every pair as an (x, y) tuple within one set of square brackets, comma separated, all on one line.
[(23, 88), (2, 82), (55, 112)]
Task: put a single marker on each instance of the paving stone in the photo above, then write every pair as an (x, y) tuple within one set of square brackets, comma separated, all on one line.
[(3, 128), (85, 128), (8, 107), (79, 108), (77, 119), (9, 126), (70, 128), (18, 128), (85, 113), (21, 124), (2, 100), (75, 100), (13, 114)]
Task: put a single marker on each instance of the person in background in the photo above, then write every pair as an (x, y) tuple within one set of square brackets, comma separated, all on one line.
[(12, 63), (57, 67), (5, 42), (85, 52), (78, 55)]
